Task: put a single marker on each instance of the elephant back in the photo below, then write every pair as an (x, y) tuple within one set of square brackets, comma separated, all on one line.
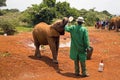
[(40, 32), (43, 31), (41, 28)]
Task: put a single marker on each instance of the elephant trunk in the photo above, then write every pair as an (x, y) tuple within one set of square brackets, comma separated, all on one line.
[(62, 33)]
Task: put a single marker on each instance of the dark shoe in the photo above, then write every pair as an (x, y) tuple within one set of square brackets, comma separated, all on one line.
[(87, 75), (77, 74), (55, 61)]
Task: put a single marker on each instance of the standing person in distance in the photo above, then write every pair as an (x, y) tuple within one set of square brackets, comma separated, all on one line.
[(79, 44)]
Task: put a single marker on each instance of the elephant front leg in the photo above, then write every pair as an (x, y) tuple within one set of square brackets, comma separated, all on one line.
[(54, 44), (117, 29), (37, 51)]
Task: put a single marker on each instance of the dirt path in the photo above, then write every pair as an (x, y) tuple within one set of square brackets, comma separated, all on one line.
[(18, 63)]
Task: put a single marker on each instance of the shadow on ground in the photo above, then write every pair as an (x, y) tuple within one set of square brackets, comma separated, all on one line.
[(49, 62)]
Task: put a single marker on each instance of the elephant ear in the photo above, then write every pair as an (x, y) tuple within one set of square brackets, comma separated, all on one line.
[(53, 33), (65, 20)]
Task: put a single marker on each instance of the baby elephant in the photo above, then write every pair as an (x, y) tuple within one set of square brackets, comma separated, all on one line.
[(44, 34)]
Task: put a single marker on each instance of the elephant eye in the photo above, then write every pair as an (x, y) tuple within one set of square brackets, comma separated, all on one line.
[(58, 24)]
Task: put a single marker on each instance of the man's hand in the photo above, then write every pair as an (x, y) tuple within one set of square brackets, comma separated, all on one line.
[(70, 19)]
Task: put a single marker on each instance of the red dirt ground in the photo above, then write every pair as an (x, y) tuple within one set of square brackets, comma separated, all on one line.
[(17, 61)]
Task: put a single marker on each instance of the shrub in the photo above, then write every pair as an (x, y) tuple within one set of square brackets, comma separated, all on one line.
[(7, 26)]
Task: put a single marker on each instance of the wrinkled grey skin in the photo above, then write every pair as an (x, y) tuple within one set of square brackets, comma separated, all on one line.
[(44, 34)]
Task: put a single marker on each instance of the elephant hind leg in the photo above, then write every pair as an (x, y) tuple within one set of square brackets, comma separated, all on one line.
[(117, 29), (37, 45), (37, 50)]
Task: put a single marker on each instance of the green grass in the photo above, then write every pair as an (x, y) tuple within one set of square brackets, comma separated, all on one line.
[(5, 54), (19, 29), (1, 32), (105, 51), (23, 29)]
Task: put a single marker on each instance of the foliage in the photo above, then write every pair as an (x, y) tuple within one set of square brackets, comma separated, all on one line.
[(50, 13), (7, 27), (83, 12), (2, 12), (48, 10), (29, 15), (40, 13), (10, 10), (63, 8), (8, 22), (25, 17), (23, 29), (90, 18), (2, 3), (49, 3), (106, 12), (5, 54), (6, 11)]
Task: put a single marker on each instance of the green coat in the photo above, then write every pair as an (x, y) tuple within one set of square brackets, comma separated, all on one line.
[(79, 41)]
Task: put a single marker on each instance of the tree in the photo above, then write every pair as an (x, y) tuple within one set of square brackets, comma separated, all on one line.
[(9, 21), (6, 11), (63, 8), (48, 10), (93, 9), (90, 18), (49, 14), (106, 12), (42, 12), (49, 3), (7, 26), (25, 17), (73, 12), (83, 12), (2, 3)]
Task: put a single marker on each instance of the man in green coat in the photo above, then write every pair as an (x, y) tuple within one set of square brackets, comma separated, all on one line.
[(79, 45)]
